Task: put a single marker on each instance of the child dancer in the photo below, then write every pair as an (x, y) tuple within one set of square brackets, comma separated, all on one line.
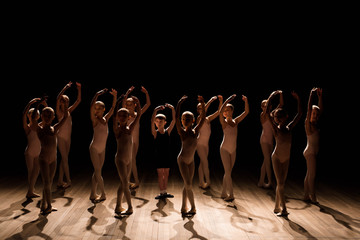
[(33, 148), (203, 142), (129, 104), (188, 136), (47, 158), (123, 134), (281, 154), (228, 145), (312, 148), (162, 147), (267, 143), (64, 135), (98, 143)]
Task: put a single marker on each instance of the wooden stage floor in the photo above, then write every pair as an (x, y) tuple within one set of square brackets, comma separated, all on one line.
[(250, 216)]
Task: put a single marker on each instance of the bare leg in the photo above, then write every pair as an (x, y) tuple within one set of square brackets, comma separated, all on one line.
[(187, 172), (133, 166), (280, 174), (64, 148), (47, 173), (32, 164), (203, 166), (266, 166), (123, 189), (228, 161), (97, 180), (309, 184)]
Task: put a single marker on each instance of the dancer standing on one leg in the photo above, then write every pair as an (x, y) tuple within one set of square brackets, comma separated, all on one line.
[(129, 104), (281, 154), (228, 145), (267, 143), (123, 134), (98, 143), (162, 147), (312, 148), (188, 136), (33, 148), (64, 135), (203, 143)]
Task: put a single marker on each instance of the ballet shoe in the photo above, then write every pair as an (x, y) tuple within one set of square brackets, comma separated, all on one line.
[(229, 199)]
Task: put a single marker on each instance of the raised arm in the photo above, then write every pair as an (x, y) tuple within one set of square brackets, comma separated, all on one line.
[(147, 104), (215, 114), (24, 116), (153, 130), (222, 108), (78, 99), (111, 111), (92, 104), (60, 95), (297, 117), (245, 113), (309, 106), (123, 103), (268, 109), (202, 115), (138, 115), (178, 115), (115, 123), (173, 117)]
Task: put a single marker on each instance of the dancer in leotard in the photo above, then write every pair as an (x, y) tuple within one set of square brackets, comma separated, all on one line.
[(162, 147), (47, 158), (123, 134), (64, 135), (33, 148), (129, 104), (188, 136), (98, 143), (312, 147), (267, 143), (203, 142), (228, 145), (281, 154)]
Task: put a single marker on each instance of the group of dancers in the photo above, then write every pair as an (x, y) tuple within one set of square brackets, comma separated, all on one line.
[(44, 138)]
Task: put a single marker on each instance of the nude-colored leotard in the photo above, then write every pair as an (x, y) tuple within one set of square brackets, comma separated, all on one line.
[(312, 147), (99, 138), (267, 133), (204, 134), (34, 146), (229, 140)]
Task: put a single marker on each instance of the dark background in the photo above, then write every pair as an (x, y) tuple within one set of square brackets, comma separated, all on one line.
[(252, 57)]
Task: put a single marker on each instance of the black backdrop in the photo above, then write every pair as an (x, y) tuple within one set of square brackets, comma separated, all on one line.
[(168, 84)]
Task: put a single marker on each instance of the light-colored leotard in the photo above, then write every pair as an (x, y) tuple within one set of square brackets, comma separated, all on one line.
[(267, 133), (204, 134), (230, 137), (124, 148), (135, 133), (65, 129), (34, 146), (99, 138), (282, 147), (312, 147), (188, 148), (48, 147)]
